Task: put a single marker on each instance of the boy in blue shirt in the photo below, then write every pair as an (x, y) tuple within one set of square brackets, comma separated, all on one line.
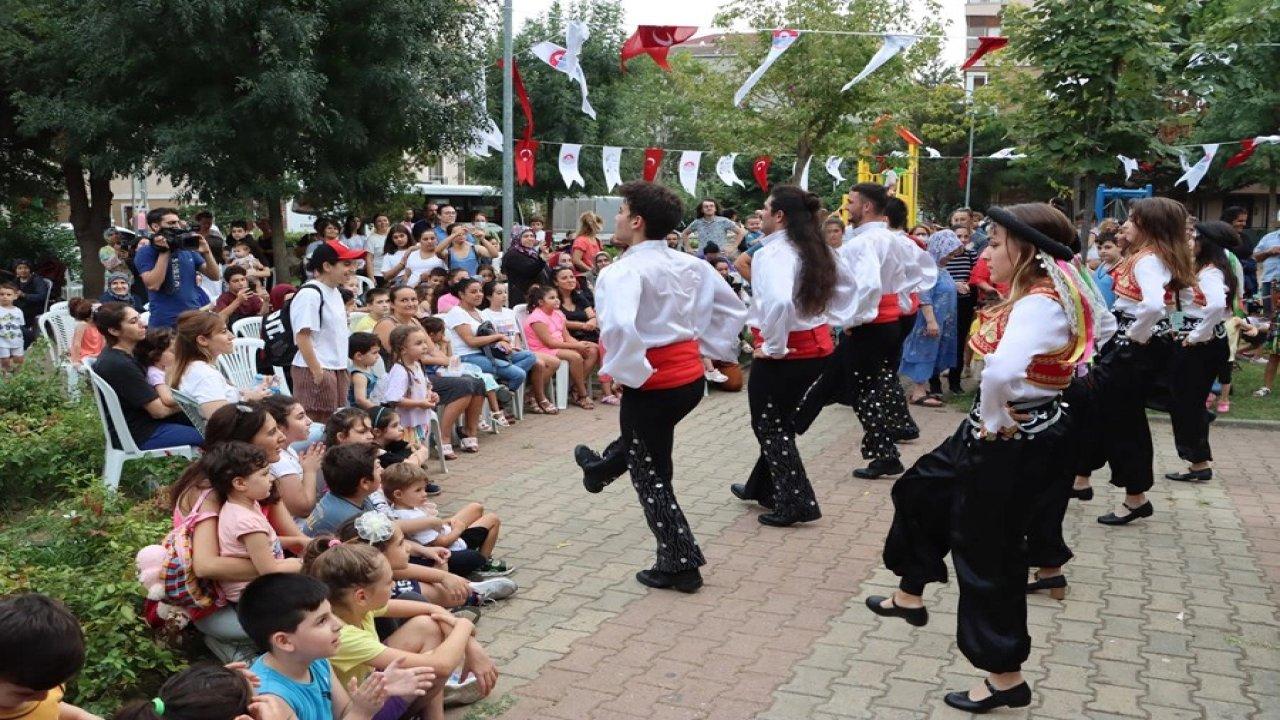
[(287, 615), (352, 473)]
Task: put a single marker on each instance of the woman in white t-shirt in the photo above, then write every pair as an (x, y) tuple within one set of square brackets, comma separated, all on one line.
[(353, 237), (376, 242), (202, 337), (496, 311), (421, 258), (395, 255)]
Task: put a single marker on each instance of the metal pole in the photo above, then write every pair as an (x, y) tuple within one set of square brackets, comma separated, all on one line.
[(508, 131), (968, 176)]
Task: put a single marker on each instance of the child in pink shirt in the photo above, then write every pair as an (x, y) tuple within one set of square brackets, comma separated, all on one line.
[(546, 333)]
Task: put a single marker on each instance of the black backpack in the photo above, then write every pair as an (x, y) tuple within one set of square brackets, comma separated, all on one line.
[(277, 334)]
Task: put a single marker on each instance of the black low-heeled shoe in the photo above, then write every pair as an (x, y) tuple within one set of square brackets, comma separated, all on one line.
[(781, 519), (739, 491), (1191, 475), (1056, 585), (914, 616), (880, 467), (1142, 511), (1015, 697), (686, 581), (1085, 494)]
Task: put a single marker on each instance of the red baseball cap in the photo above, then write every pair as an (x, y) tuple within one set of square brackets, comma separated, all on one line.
[(334, 251)]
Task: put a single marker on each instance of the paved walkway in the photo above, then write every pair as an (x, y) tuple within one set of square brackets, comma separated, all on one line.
[(1175, 617)]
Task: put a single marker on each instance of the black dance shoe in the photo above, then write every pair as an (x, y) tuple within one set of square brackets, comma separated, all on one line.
[(597, 470), (879, 468), (781, 519), (1015, 697), (1191, 475), (1056, 585), (739, 491), (686, 581), (918, 617), (1085, 494), (1142, 511), (906, 435)]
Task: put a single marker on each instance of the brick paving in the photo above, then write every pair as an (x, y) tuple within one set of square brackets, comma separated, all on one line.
[(1175, 617)]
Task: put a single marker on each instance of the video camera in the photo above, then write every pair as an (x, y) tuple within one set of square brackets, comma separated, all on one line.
[(179, 238)]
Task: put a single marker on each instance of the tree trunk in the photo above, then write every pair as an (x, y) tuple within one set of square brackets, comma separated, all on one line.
[(804, 150), (279, 243), (90, 215), (549, 215)]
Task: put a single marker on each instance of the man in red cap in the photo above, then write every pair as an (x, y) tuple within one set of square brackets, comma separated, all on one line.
[(319, 321)]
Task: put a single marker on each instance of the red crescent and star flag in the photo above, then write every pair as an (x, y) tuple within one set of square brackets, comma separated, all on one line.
[(760, 168), (655, 41), (652, 160), (985, 45)]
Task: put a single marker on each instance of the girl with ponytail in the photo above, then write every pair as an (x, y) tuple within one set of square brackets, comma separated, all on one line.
[(800, 289)]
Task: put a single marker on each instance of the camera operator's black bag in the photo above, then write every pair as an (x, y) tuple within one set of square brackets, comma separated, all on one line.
[(277, 336)]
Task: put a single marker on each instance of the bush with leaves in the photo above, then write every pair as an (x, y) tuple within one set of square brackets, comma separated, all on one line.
[(49, 446)]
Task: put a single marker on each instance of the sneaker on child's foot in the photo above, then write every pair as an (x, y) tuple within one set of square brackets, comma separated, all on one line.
[(498, 588), (493, 568), (462, 692), (469, 612), (433, 489), (716, 377)]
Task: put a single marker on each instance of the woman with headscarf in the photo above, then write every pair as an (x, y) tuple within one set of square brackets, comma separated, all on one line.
[(930, 347), (524, 264)]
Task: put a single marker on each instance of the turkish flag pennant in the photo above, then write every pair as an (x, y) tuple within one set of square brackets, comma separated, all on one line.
[(652, 161), (760, 168), (655, 40), (526, 152), (525, 107), (1247, 148), (985, 45), (964, 170)]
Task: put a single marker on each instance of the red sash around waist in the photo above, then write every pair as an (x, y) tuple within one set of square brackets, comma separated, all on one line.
[(803, 344), (673, 365), (890, 311)]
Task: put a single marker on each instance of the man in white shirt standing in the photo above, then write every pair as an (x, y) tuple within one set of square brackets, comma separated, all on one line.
[(319, 322)]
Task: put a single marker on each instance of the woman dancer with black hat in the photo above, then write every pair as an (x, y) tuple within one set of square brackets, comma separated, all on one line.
[(1202, 350), (800, 288), (974, 494), (1156, 266)]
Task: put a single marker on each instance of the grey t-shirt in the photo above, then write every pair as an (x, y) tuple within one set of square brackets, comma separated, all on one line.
[(716, 230)]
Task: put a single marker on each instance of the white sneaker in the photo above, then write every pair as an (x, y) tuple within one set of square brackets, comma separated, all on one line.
[(462, 692), (717, 377), (499, 588)]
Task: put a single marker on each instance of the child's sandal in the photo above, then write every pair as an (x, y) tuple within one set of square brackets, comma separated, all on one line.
[(446, 452), (470, 445)]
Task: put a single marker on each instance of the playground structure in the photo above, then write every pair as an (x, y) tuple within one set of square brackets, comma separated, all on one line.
[(1112, 202), (902, 183)]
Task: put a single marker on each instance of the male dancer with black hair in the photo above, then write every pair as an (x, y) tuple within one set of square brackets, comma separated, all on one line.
[(660, 311)]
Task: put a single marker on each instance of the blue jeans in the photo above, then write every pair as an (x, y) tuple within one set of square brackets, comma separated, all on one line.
[(172, 435), (510, 373)]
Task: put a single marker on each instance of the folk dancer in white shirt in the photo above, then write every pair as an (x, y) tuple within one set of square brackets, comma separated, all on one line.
[(660, 311), (800, 289), (974, 495)]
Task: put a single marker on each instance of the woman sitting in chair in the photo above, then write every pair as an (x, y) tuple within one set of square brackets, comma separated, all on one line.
[(202, 337), (152, 424)]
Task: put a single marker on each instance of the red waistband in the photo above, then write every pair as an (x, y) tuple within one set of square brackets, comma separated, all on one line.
[(803, 344), (673, 365), (890, 311)]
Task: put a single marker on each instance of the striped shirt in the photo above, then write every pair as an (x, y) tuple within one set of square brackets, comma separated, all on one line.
[(959, 266)]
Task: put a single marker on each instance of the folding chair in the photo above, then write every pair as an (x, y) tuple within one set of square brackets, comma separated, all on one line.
[(240, 366), (112, 417)]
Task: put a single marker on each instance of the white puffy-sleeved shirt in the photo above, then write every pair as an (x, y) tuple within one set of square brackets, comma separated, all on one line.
[(1151, 275), (927, 270), (651, 297), (1037, 325), (775, 273), (894, 257), (1212, 286)]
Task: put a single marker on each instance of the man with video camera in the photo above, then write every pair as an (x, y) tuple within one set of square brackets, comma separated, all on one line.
[(168, 263)]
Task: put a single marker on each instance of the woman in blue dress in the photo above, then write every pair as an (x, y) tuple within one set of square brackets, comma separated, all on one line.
[(931, 346)]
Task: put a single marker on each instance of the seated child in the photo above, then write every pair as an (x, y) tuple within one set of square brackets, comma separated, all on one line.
[(397, 446), (470, 534), (406, 387), (364, 351), (241, 477), (353, 474), (41, 649), (296, 475), (359, 580), (206, 691), (155, 353), (377, 304), (289, 618), (347, 425), (87, 342)]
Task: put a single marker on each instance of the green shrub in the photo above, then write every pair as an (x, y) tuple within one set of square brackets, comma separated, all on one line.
[(81, 551)]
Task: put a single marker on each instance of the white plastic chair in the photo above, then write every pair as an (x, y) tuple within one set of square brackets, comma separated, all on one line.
[(559, 382), (240, 366), (366, 284), (112, 417), (58, 307), (282, 378), (435, 438), (250, 327), (191, 408), (59, 328)]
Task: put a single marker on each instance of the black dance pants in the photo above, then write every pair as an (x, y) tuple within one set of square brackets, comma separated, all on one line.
[(863, 358), (1046, 546), (1192, 369), (774, 391), (648, 421), (1123, 378), (974, 498)]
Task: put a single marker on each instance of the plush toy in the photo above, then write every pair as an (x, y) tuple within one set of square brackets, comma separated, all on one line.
[(159, 614)]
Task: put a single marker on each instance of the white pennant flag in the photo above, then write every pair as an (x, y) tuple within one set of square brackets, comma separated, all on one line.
[(1267, 140), (489, 137), (782, 39), (893, 44), (804, 174), (724, 168), (689, 161), (566, 59), (1196, 173), (569, 165), (612, 158), (833, 167), (1182, 161), (932, 153), (1130, 166), (1007, 154)]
